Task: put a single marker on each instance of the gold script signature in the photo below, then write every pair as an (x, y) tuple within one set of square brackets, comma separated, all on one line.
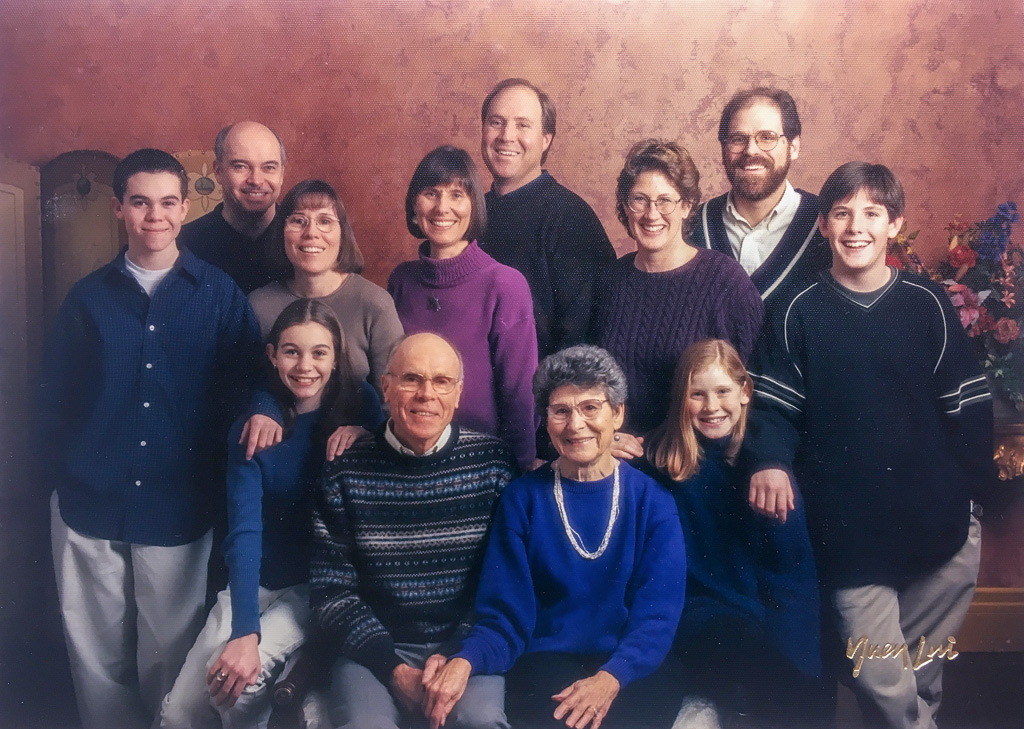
[(862, 649)]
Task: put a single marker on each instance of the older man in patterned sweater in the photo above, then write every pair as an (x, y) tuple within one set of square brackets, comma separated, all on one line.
[(400, 528)]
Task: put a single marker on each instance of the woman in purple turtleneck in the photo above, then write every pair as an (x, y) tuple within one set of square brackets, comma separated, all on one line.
[(456, 290)]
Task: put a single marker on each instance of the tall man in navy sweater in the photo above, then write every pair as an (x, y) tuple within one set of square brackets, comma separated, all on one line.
[(535, 225), (236, 236), (763, 222), (399, 533)]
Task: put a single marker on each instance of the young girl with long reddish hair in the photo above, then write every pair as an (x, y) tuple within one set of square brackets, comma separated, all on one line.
[(749, 631)]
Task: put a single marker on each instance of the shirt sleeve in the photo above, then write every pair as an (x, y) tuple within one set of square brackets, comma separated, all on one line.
[(506, 608), (243, 545), (963, 396), (240, 361), (346, 619), (384, 329), (580, 254), (69, 384), (513, 345), (656, 594), (777, 414)]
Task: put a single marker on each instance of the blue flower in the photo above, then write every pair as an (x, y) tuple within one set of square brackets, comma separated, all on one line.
[(1008, 211), (991, 245), (995, 232)]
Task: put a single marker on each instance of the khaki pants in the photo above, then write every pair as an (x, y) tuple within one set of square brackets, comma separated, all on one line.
[(933, 606), (284, 623), (359, 701), (130, 614)]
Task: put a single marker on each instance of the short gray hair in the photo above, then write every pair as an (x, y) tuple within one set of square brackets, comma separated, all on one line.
[(583, 366)]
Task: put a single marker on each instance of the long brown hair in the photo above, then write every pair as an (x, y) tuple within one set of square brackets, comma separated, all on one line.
[(341, 402), (673, 448)]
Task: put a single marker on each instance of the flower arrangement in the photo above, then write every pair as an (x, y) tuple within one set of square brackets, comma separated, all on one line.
[(982, 274)]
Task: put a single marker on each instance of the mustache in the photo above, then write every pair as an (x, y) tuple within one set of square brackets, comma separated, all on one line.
[(767, 161)]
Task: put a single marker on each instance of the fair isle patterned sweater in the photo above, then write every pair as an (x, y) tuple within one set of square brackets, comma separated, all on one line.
[(398, 543)]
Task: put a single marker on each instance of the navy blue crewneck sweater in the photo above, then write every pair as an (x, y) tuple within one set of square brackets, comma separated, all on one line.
[(744, 564)]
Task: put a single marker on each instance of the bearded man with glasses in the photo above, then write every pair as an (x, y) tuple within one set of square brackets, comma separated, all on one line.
[(763, 222), (399, 532)]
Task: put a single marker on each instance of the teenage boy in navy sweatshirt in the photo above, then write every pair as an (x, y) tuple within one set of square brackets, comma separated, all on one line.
[(875, 389), (147, 358)]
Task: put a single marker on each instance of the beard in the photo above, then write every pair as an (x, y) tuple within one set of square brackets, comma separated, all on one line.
[(758, 187)]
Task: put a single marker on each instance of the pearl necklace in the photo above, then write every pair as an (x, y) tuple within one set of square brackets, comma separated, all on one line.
[(574, 537)]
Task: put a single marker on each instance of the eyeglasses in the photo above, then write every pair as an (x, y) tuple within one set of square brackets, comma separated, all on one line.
[(323, 223), (412, 382), (640, 203), (588, 410), (766, 141)]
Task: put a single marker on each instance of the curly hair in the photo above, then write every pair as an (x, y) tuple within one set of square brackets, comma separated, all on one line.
[(671, 160), (583, 366)]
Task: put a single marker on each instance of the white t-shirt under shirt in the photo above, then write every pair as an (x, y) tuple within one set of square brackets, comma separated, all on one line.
[(147, 279)]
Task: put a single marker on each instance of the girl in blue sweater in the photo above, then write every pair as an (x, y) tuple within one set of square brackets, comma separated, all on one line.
[(263, 615), (748, 636)]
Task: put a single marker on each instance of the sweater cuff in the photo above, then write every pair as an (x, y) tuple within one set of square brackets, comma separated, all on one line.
[(243, 628), (622, 671), (472, 656), (245, 614), (381, 659)]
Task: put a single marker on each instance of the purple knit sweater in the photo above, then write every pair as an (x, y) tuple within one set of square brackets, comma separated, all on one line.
[(485, 309), (646, 320)]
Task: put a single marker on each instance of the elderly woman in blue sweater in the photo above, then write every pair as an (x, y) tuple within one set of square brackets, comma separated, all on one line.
[(582, 583)]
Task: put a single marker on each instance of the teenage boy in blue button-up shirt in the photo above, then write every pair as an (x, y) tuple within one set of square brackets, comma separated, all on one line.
[(148, 358)]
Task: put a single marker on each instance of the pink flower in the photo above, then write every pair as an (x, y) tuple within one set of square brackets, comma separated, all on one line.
[(1006, 330), (968, 316), (962, 295), (967, 303)]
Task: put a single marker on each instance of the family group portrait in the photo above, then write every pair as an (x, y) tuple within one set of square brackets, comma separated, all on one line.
[(405, 364)]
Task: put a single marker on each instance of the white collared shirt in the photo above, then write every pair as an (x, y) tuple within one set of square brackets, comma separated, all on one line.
[(751, 246), (392, 439)]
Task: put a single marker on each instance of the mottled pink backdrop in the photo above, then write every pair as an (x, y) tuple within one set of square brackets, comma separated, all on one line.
[(361, 90)]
